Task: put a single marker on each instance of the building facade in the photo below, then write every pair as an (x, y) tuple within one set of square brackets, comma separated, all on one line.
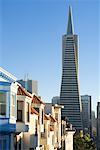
[(30, 85), (69, 94), (24, 124), (94, 122), (98, 126), (8, 115), (86, 113), (56, 100)]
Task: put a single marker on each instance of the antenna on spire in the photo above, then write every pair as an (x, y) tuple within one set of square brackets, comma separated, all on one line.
[(70, 27)]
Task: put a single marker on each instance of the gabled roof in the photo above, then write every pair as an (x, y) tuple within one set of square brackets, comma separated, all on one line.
[(33, 111), (46, 117), (52, 118), (7, 76), (37, 100), (22, 91)]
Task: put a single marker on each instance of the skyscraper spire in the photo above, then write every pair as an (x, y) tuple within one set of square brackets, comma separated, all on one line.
[(70, 27)]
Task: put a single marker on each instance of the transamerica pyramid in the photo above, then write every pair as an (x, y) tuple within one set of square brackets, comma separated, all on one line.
[(69, 94)]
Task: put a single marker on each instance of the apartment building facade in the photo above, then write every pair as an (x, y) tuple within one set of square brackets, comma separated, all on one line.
[(23, 121)]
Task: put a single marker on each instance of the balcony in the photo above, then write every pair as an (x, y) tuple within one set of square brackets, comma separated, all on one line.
[(21, 127), (6, 126)]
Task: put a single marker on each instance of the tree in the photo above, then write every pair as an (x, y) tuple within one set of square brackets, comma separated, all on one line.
[(84, 143)]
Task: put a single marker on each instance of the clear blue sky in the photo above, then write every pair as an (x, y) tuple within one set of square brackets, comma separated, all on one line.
[(31, 42)]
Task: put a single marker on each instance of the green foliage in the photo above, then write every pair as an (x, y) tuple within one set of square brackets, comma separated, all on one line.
[(83, 143)]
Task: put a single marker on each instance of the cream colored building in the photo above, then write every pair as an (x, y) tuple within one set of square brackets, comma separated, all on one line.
[(28, 126), (46, 136), (56, 112), (69, 138), (38, 104), (27, 129)]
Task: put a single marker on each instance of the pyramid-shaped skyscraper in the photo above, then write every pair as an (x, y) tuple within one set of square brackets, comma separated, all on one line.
[(69, 94)]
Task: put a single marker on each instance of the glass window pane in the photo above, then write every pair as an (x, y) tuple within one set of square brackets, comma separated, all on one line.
[(19, 115), (2, 109), (2, 97)]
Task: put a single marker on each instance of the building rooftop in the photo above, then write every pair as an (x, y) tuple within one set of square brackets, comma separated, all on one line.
[(33, 111), (46, 117), (52, 118), (5, 74), (22, 91), (37, 100)]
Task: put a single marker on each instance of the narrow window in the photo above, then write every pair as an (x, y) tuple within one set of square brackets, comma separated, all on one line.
[(36, 125), (19, 115), (2, 103), (27, 112), (20, 111), (42, 119)]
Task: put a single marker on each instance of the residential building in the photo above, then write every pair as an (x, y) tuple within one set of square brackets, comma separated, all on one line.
[(45, 136), (56, 113), (69, 94), (30, 85), (67, 132), (53, 127), (63, 131), (98, 126), (39, 105), (8, 109), (24, 123), (27, 121), (55, 110), (86, 114)]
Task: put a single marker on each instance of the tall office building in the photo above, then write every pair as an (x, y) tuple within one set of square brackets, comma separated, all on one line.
[(98, 126), (56, 100), (69, 94), (30, 85), (94, 122), (86, 113)]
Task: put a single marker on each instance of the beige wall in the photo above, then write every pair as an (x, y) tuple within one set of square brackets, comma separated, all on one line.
[(69, 140)]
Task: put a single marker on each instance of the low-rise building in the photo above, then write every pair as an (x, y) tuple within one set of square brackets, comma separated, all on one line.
[(27, 123), (8, 100), (63, 131), (26, 117), (39, 105)]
